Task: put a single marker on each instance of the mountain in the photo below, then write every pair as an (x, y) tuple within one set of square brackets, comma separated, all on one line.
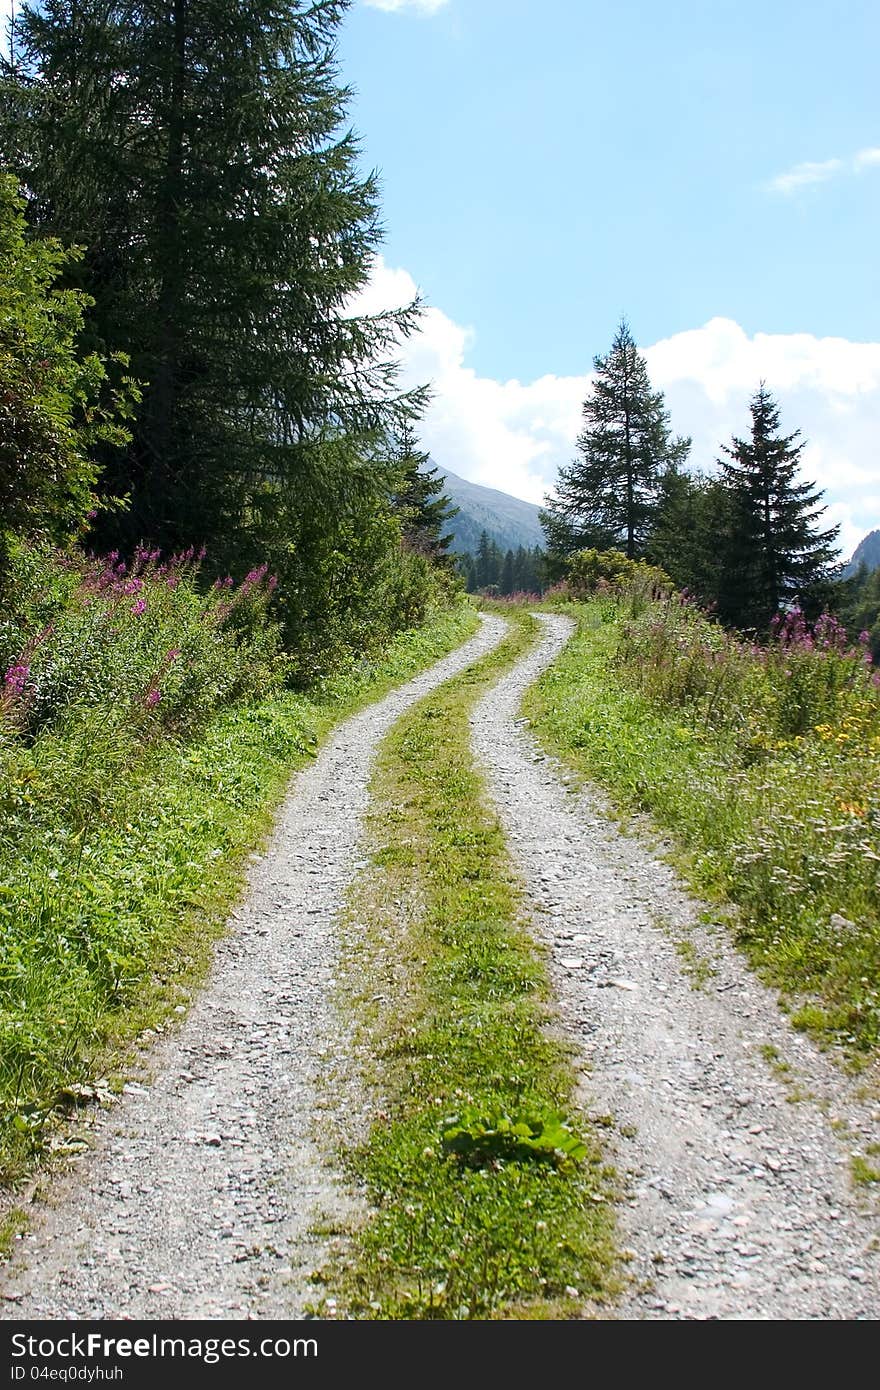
[(867, 552), (509, 521)]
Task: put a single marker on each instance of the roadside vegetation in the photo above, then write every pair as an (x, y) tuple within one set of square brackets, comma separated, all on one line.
[(488, 1196), (207, 554), (145, 737), (761, 760)]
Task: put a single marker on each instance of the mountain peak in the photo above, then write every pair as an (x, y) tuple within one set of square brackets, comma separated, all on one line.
[(867, 552), (509, 521)]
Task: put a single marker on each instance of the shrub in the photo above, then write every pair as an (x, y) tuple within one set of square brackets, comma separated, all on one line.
[(56, 404), (610, 572), (138, 647), (801, 678)]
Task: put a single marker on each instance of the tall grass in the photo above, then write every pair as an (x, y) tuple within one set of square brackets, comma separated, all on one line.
[(762, 761), (145, 734)]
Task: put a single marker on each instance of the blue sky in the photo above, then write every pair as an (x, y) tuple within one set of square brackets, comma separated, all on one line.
[(548, 166), (709, 169)]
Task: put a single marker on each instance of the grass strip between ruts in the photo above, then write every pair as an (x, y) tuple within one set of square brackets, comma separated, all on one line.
[(453, 1034)]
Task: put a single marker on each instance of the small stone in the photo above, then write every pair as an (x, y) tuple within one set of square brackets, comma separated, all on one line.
[(572, 962)]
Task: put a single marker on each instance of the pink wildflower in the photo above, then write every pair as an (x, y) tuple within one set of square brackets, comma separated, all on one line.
[(16, 678)]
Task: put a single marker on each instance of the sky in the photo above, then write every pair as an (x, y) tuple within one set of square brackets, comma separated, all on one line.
[(710, 171)]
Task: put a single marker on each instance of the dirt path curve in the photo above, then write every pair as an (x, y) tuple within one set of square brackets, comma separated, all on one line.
[(199, 1197), (741, 1204)]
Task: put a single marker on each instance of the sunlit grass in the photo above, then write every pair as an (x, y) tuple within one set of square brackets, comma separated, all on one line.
[(451, 995), (118, 863), (784, 824)]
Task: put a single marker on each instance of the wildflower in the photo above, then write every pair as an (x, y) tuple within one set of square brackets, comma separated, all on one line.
[(16, 678), (133, 586), (153, 698), (173, 654), (139, 607)]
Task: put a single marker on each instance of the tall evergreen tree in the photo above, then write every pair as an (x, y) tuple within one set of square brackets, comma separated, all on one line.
[(774, 547), (485, 564), (196, 148), (607, 497), (693, 512), (507, 577), (419, 499)]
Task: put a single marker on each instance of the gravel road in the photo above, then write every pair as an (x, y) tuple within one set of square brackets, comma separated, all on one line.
[(201, 1189), (740, 1202)]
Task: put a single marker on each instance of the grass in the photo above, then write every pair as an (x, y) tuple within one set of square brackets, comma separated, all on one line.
[(118, 872), (863, 1172), (696, 966), (469, 1217), (13, 1223), (786, 828)]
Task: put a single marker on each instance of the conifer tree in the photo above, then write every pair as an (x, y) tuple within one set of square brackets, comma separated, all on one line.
[(419, 499), (197, 150), (693, 512), (774, 547), (507, 578), (607, 497)]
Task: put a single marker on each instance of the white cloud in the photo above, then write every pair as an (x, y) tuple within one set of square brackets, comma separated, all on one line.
[(514, 435), (866, 159), (811, 172), (420, 6), (804, 174)]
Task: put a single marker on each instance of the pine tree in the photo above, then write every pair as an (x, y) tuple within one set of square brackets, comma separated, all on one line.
[(419, 500), (484, 565), (607, 497), (196, 148), (465, 565), (507, 579), (693, 511), (773, 548)]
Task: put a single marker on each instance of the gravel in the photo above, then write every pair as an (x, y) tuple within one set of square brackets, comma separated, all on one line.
[(739, 1200), (201, 1191)]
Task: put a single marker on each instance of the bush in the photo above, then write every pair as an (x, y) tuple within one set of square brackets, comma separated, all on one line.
[(800, 679), (56, 405), (138, 647), (592, 572)]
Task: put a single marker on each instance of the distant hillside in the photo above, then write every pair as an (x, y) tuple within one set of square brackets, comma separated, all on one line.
[(867, 552), (509, 521)]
